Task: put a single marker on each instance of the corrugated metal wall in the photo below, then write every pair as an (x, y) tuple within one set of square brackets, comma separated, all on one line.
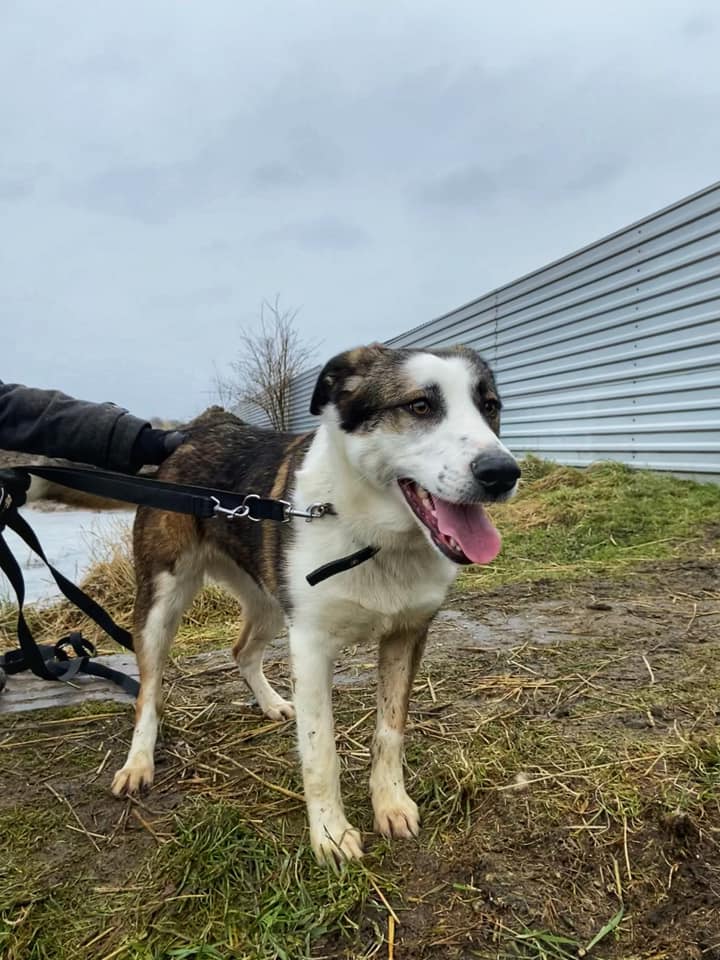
[(610, 353)]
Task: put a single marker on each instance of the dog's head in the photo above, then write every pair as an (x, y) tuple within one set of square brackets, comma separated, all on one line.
[(426, 424)]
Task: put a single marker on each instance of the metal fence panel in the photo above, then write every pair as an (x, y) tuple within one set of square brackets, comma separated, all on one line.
[(612, 352)]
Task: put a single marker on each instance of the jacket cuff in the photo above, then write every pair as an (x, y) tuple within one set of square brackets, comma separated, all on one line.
[(126, 431)]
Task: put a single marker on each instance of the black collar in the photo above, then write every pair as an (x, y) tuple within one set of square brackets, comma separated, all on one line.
[(338, 566)]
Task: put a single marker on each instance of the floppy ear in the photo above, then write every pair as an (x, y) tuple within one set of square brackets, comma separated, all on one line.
[(332, 375), (335, 375)]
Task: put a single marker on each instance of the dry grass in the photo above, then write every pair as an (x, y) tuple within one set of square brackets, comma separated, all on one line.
[(605, 519), (569, 784), (570, 804)]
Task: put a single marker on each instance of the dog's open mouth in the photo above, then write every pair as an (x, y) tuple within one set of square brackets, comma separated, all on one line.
[(462, 531)]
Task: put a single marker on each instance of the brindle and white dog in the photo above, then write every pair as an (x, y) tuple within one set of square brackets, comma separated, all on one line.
[(407, 453)]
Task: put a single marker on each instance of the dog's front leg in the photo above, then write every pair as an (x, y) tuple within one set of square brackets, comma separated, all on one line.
[(396, 815), (333, 839)]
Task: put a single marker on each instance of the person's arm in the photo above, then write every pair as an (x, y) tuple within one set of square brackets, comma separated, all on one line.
[(53, 424)]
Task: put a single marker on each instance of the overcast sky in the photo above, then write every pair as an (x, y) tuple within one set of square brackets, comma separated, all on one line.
[(167, 164)]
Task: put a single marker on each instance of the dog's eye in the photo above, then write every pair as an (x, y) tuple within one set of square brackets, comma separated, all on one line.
[(421, 408), (491, 407)]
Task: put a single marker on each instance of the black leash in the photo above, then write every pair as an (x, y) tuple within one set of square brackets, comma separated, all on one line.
[(202, 502), (52, 662)]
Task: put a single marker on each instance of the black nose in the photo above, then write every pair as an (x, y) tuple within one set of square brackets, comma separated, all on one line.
[(496, 474)]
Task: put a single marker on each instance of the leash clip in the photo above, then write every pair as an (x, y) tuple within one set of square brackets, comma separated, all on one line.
[(237, 513), (289, 512), (313, 512)]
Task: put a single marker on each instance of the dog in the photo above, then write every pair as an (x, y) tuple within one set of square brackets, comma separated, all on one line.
[(407, 452)]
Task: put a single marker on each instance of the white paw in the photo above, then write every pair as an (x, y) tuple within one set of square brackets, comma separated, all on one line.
[(276, 708), (397, 816), (335, 841), (137, 775)]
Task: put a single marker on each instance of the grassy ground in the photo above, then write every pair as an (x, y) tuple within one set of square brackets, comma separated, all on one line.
[(603, 520), (564, 751)]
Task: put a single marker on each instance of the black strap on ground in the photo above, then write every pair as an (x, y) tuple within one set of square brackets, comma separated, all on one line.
[(52, 662)]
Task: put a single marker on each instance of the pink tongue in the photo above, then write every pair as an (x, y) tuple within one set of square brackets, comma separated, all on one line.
[(471, 527)]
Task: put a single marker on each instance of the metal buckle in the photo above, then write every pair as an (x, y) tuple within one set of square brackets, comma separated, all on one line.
[(251, 496), (237, 513), (313, 512)]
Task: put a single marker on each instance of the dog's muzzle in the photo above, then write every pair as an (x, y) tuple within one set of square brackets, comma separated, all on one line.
[(495, 475)]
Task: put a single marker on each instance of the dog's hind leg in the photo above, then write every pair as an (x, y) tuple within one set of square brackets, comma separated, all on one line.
[(263, 620), (396, 815), (160, 603), (260, 626)]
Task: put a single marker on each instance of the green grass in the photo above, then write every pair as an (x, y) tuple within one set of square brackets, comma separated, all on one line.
[(23, 835), (531, 944), (538, 830), (570, 523), (253, 892), (220, 887)]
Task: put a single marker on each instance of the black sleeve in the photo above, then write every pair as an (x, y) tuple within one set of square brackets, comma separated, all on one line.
[(51, 423)]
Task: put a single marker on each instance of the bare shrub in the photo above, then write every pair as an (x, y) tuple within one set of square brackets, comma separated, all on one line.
[(270, 357)]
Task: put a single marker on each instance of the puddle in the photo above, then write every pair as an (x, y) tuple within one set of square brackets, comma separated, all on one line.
[(497, 631)]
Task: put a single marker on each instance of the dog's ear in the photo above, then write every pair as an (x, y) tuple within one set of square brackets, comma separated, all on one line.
[(332, 374), (343, 374)]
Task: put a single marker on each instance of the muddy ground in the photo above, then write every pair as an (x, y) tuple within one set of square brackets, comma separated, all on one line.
[(563, 747)]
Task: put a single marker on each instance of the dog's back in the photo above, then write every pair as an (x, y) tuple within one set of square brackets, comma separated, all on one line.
[(223, 451)]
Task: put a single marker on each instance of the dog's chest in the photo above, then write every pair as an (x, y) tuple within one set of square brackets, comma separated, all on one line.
[(394, 591)]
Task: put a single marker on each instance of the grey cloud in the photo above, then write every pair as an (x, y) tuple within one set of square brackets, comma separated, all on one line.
[(330, 233), (600, 173), (211, 296), (16, 185), (109, 64), (305, 157), (477, 187), (277, 175), (151, 194), (697, 26), (472, 186), (154, 194), (321, 234), (215, 247)]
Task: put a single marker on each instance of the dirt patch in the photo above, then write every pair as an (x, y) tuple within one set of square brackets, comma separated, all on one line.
[(563, 747)]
